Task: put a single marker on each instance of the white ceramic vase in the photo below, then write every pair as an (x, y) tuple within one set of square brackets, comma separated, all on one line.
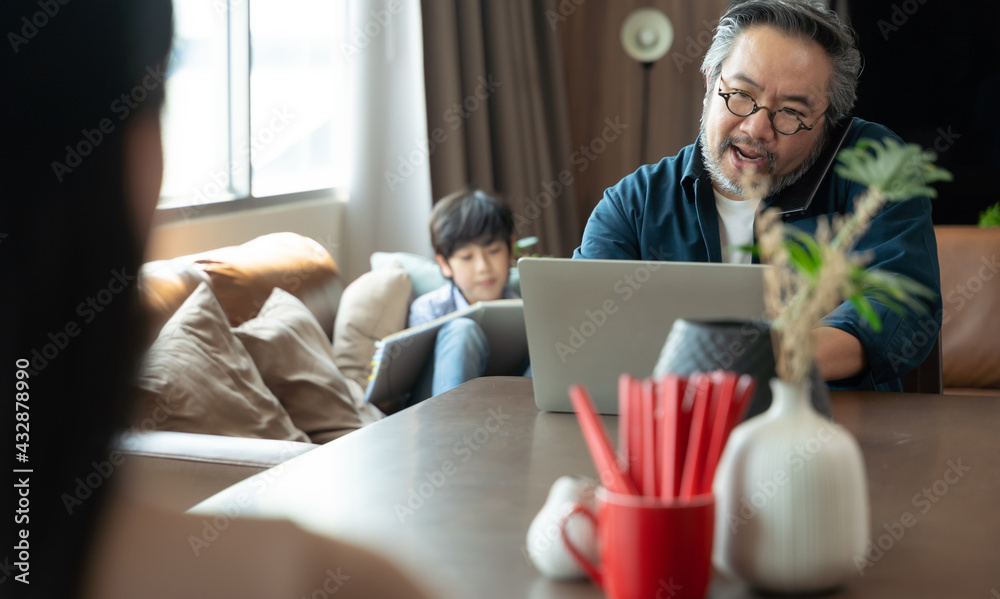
[(791, 498)]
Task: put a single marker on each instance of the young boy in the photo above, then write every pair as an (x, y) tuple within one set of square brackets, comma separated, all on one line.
[(472, 235)]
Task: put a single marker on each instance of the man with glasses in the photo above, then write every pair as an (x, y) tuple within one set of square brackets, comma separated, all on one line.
[(781, 76)]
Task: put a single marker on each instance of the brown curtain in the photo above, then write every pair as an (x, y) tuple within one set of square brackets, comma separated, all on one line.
[(496, 112)]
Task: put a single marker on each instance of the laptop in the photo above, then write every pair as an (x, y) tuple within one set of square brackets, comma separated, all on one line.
[(589, 321)]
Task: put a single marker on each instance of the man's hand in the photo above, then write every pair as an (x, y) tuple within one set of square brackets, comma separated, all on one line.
[(839, 354)]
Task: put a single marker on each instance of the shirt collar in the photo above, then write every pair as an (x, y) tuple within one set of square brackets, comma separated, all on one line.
[(456, 294), (791, 201), (694, 169)]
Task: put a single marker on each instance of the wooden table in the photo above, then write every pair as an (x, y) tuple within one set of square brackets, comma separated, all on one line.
[(448, 488)]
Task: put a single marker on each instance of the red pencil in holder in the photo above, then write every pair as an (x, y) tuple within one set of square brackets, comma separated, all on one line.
[(648, 462), (611, 474), (723, 390), (697, 445), (671, 396), (625, 455)]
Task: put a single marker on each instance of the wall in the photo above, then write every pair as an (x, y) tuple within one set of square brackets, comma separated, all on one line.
[(604, 83), (322, 219)]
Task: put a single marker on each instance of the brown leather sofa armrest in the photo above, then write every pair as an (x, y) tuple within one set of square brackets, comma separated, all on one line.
[(243, 276), (970, 294), (178, 470)]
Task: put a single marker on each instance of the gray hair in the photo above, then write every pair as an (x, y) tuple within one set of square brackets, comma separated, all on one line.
[(807, 18)]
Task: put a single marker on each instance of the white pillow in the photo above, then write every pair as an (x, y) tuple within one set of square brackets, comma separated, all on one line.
[(425, 274), (374, 306)]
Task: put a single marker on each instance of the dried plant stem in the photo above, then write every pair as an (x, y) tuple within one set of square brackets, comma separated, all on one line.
[(810, 276), (866, 207), (796, 302), (777, 279)]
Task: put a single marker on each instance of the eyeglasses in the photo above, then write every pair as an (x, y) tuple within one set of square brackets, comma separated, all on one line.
[(784, 120)]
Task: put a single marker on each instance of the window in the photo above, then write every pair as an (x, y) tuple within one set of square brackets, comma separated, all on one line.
[(256, 100)]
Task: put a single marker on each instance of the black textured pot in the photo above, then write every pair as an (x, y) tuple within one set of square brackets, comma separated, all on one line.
[(737, 346)]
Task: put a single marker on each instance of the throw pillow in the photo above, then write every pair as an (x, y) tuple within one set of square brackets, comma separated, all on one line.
[(425, 274), (373, 306), (198, 378), (295, 360)]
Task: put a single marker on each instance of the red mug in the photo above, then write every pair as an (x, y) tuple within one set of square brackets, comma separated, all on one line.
[(650, 548)]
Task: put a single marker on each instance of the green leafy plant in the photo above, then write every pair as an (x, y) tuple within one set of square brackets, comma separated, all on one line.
[(523, 244), (813, 274), (990, 217)]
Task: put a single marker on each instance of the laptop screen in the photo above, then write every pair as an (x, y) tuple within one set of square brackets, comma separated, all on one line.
[(589, 321)]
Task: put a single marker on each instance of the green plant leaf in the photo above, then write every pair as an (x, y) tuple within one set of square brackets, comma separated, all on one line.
[(801, 259), (803, 251), (522, 244), (896, 292), (990, 217), (901, 289), (526, 242), (886, 300), (865, 309), (897, 171)]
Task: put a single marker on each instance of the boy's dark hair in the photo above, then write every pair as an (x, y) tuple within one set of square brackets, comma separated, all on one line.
[(469, 217)]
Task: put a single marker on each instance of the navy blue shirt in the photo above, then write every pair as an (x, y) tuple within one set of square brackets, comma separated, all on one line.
[(666, 211)]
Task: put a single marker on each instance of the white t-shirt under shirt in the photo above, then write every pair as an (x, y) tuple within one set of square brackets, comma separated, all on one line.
[(735, 227)]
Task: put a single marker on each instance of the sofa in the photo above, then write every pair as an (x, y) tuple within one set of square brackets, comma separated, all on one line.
[(969, 257), (258, 353), (176, 466)]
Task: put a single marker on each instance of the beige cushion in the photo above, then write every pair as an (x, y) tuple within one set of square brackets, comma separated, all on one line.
[(372, 307), (198, 378), (295, 359)]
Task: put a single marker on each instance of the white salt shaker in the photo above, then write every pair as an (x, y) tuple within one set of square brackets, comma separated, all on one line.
[(545, 544)]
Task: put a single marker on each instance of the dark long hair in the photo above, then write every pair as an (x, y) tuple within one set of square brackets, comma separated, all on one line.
[(69, 252)]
